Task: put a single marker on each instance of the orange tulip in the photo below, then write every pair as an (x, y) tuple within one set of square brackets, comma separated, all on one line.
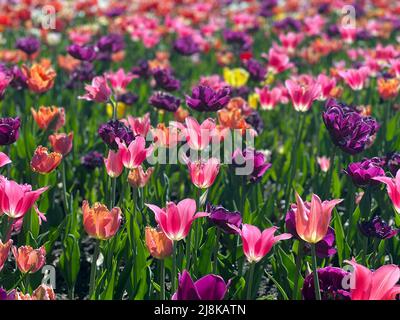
[(40, 79), (388, 89), (49, 117), (158, 244), (4, 250), (99, 222), (312, 222), (29, 259), (62, 142), (44, 162), (138, 177)]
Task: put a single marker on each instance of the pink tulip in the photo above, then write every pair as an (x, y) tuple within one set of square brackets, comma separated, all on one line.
[(348, 33), (269, 98), (133, 155), (324, 163), (119, 80), (176, 219), (5, 80), (380, 284), (278, 61), (4, 159), (29, 260), (98, 91), (291, 41), (139, 126), (393, 189), (257, 244), (203, 173), (355, 78), (4, 251), (312, 222), (17, 199), (302, 96), (113, 163), (198, 136), (327, 85)]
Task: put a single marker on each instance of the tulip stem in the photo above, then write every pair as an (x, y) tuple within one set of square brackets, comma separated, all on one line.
[(174, 274), (113, 192), (64, 184), (315, 272), (250, 280), (216, 247), (299, 264), (162, 280), (93, 269), (8, 166)]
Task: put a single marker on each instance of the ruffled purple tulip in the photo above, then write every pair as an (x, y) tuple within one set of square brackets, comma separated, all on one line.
[(255, 120), (7, 296), (83, 53), (330, 282), (393, 163), (186, 46), (29, 45), (113, 129), (266, 8), (111, 43), (128, 98), (349, 130), (165, 80), (239, 39), (142, 69), (9, 130), (83, 73), (363, 172), (165, 101), (204, 98), (92, 160), (256, 70), (324, 248), (288, 23), (19, 79), (251, 163), (377, 228), (224, 218), (209, 287)]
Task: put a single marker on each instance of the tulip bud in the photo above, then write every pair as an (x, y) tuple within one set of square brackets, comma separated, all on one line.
[(61, 142), (158, 244)]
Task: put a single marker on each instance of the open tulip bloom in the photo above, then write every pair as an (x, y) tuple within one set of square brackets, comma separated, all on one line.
[(200, 150)]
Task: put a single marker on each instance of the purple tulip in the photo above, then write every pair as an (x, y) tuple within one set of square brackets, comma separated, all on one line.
[(256, 70), (324, 248), (266, 8), (254, 119), (165, 101), (288, 23), (362, 173), (377, 228), (393, 163), (29, 45), (83, 53), (110, 43), (142, 69), (113, 129), (19, 79), (224, 219), (165, 80), (330, 282), (7, 296), (186, 46), (209, 287), (92, 160), (239, 39), (349, 130), (253, 163), (83, 73), (9, 130), (128, 98), (204, 98)]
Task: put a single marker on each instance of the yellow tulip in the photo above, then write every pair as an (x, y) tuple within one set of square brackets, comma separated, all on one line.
[(121, 110), (236, 77)]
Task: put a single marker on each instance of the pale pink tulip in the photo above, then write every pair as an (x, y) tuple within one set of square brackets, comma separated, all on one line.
[(133, 155), (119, 80), (113, 163), (198, 136), (4, 159), (380, 284), (290, 41), (324, 163), (327, 85), (203, 173), (393, 189), (139, 126), (176, 219), (312, 222)]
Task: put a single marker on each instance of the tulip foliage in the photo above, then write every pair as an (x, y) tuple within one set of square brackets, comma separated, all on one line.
[(199, 150)]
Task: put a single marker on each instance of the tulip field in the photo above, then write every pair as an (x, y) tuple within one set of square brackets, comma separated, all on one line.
[(199, 150)]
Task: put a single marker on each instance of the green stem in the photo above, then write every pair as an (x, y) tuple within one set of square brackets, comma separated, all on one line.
[(216, 247), (299, 264), (113, 192), (64, 184), (93, 269), (315, 272), (174, 273), (162, 280), (250, 280)]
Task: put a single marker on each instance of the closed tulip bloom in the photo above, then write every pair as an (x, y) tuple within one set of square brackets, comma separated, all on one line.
[(39, 78), (17, 199), (83, 53), (198, 136), (393, 189), (236, 78), (99, 222), (138, 178), (45, 162), (98, 90), (324, 163), (135, 153), (380, 284), (210, 287), (62, 142), (4, 251), (29, 44), (9, 130), (224, 219), (203, 173), (176, 219), (158, 244), (4, 159), (113, 163), (29, 260), (49, 118), (257, 244), (269, 98), (312, 222)]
